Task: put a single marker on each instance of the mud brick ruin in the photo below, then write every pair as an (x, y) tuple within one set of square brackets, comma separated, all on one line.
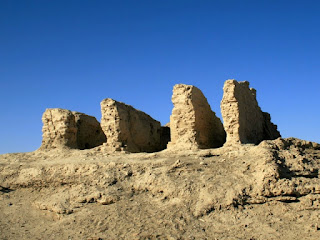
[(243, 119), (193, 125), (129, 129), (65, 129)]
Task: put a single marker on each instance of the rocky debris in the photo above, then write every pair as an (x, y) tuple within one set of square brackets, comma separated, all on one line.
[(243, 119), (193, 124), (65, 203), (66, 129), (129, 129), (287, 170), (89, 131)]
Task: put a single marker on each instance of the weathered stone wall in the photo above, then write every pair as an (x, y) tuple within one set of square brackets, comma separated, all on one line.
[(243, 119), (193, 124), (65, 129), (129, 129), (59, 129)]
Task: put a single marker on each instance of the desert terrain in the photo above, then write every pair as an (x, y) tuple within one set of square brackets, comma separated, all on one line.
[(128, 177), (268, 191)]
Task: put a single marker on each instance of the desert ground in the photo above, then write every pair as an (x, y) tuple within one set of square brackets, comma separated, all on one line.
[(265, 191)]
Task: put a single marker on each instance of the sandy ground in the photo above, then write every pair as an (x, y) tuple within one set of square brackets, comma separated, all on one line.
[(269, 191)]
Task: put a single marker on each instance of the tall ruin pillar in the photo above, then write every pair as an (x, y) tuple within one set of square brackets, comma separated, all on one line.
[(243, 119), (193, 124)]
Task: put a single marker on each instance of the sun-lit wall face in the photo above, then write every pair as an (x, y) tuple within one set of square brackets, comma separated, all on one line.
[(244, 121), (193, 124), (66, 129)]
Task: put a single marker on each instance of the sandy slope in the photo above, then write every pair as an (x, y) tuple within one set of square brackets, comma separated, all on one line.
[(269, 191)]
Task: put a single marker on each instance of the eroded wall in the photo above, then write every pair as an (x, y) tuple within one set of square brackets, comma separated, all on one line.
[(244, 122), (66, 129), (193, 124), (129, 129)]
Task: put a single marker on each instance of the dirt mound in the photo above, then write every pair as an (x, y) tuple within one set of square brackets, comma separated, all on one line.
[(267, 191)]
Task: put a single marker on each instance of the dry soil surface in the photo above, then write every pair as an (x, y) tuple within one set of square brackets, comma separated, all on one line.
[(269, 191)]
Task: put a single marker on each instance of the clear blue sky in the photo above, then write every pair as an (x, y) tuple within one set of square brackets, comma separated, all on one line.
[(72, 54)]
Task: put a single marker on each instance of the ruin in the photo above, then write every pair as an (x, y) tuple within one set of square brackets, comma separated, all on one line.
[(129, 129), (89, 131), (66, 129), (244, 122), (193, 124)]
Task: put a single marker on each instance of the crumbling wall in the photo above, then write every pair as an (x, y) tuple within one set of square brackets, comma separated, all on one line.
[(129, 129), (243, 119), (193, 124), (65, 129), (59, 129)]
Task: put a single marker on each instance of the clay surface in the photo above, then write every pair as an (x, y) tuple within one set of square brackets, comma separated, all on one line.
[(193, 124), (129, 129), (243, 119)]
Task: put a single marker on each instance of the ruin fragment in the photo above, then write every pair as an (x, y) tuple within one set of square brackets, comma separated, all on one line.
[(193, 124), (89, 131), (129, 129), (66, 129), (243, 119)]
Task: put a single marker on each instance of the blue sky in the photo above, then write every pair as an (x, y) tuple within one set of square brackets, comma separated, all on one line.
[(72, 54)]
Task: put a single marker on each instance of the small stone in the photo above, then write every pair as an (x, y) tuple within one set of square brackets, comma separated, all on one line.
[(106, 200)]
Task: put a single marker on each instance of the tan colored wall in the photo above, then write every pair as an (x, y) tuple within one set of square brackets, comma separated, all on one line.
[(129, 129), (243, 119), (193, 124), (59, 129), (65, 129)]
